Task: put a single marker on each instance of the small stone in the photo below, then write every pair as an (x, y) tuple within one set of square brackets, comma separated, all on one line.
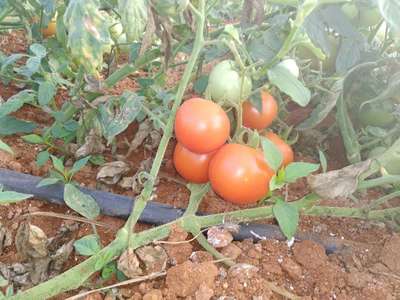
[(254, 253), (243, 272), (153, 295), (136, 296), (204, 293), (200, 256), (292, 268), (94, 296), (219, 237), (310, 254), (231, 251), (358, 279), (185, 279), (178, 253), (390, 255)]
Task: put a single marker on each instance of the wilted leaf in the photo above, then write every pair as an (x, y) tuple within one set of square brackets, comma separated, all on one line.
[(80, 202), (6, 238), (338, 183), (129, 264), (112, 172), (31, 241), (133, 18), (61, 256), (154, 258), (93, 145), (116, 121), (287, 217), (88, 34)]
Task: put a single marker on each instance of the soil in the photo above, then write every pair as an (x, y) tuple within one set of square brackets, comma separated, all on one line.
[(367, 268)]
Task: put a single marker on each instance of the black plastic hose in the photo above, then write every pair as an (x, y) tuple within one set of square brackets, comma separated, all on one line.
[(155, 213)]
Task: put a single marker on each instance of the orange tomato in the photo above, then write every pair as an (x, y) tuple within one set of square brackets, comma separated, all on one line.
[(50, 30), (192, 166), (239, 174), (286, 150), (254, 119), (202, 126)]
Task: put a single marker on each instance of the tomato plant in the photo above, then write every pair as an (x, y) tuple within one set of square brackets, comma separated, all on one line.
[(192, 166), (260, 119), (239, 174), (201, 125), (284, 148)]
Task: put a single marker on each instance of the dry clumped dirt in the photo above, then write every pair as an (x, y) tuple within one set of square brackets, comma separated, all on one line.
[(367, 267)]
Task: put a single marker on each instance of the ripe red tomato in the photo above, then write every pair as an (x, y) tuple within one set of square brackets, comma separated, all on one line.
[(201, 126), (254, 119), (239, 174), (192, 166), (286, 150)]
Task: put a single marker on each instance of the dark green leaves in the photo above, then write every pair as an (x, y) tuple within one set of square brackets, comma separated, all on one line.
[(88, 35), (10, 125), (88, 245), (80, 202), (390, 10), (46, 92), (287, 216), (290, 85), (16, 102)]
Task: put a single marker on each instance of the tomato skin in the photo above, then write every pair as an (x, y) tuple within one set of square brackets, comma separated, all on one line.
[(202, 126), (50, 30), (286, 150), (192, 166), (239, 174), (254, 119)]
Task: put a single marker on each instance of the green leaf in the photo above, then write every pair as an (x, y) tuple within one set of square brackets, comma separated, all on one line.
[(390, 10), (287, 217), (88, 245), (48, 181), (290, 85), (272, 154), (323, 161), (133, 18), (42, 158), (58, 164), (108, 270), (233, 32), (80, 202), (10, 125), (31, 67), (4, 147), (97, 160), (7, 197), (298, 170), (38, 50), (200, 84), (46, 92), (275, 183), (15, 102), (88, 35), (78, 165), (33, 139)]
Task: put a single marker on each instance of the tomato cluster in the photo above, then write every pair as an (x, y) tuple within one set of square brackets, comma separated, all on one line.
[(237, 173)]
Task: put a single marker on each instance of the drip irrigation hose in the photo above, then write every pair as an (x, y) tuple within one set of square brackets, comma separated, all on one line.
[(155, 213)]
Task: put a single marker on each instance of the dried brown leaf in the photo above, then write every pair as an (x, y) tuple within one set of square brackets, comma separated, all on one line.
[(112, 172)]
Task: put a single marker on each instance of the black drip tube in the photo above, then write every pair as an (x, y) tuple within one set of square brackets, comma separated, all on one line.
[(155, 213)]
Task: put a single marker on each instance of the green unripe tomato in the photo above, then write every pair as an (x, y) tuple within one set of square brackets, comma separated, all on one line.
[(350, 10), (376, 152), (224, 84), (170, 8), (369, 17), (376, 117)]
